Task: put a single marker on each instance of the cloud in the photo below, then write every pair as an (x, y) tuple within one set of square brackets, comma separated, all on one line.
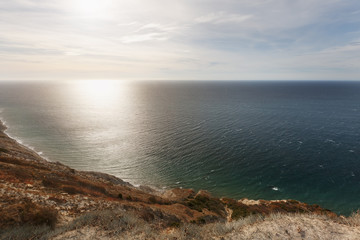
[(228, 39), (155, 27), (148, 32), (222, 17), (155, 36)]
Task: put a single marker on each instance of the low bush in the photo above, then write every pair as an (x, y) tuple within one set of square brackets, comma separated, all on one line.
[(153, 200), (200, 202), (50, 183), (25, 232), (27, 212), (73, 190), (4, 150)]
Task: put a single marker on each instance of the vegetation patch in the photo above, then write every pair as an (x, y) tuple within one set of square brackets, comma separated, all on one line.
[(27, 212), (157, 200), (200, 202), (19, 174), (239, 210), (16, 161), (4, 150), (74, 186)]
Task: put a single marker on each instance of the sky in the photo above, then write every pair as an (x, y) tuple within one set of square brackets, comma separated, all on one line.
[(180, 40)]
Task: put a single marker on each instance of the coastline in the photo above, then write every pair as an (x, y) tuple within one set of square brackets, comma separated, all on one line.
[(29, 153), (17, 144), (4, 127), (31, 185)]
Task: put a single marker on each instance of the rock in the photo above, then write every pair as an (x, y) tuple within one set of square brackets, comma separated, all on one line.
[(204, 193), (178, 194)]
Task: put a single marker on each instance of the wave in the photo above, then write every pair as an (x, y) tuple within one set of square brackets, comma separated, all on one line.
[(20, 141)]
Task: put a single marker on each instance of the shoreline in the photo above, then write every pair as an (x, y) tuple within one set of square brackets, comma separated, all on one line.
[(3, 129), (148, 187), (16, 143), (159, 190), (36, 192)]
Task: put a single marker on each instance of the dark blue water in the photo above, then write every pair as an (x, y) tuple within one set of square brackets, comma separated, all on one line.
[(268, 140)]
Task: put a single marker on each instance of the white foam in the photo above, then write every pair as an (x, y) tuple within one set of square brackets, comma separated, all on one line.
[(3, 120), (275, 188), (20, 141)]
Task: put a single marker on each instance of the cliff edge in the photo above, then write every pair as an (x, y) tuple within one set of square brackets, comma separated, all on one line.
[(48, 200)]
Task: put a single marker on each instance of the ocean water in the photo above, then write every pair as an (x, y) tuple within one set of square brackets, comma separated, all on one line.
[(260, 140)]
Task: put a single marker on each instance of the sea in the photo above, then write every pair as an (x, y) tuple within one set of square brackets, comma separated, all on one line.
[(240, 139)]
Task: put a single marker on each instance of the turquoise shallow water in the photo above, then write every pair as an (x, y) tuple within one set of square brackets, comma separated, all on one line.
[(269, 140)]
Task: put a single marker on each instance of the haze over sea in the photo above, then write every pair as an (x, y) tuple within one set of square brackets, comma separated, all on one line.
[(259, 140)]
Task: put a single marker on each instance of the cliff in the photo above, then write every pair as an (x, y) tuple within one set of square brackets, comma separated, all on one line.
[(48, 200)]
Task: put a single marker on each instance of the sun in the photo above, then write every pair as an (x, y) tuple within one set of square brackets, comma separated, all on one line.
[(91, 8)]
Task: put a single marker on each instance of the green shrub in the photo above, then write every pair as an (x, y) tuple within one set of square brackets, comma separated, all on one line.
[(4, 150), (239, 210), (212, 204)]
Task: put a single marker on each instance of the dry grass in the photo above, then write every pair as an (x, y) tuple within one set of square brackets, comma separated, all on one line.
[(298, 226), (123, 224), (25, 232), (274, 226), (26, 212), (141, 214)]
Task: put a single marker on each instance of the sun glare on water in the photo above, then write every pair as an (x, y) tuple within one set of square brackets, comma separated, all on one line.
[(98, 88), (101, 93)]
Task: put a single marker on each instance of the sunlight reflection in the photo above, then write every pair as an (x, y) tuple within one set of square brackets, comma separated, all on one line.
[(104, 94), (98, 88)]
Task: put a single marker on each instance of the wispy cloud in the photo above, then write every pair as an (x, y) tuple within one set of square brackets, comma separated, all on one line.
[(156, 27), (222, 17), (154, 36), (231, 39)]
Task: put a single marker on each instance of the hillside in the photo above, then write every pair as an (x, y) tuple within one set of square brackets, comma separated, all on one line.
[(48, 200)]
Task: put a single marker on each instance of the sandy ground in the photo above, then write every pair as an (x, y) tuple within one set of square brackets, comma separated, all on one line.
[(296, 227)]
